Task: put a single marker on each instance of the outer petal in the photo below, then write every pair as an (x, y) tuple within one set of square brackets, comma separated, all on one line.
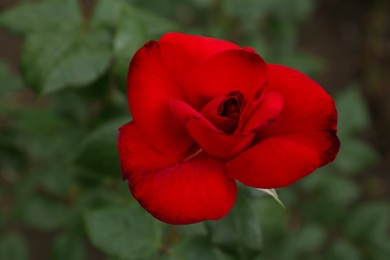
[(212, 140), (302, 138), (150, 86), (136, 155), (155, 75), (279, 161), (225, 72), (184, 52), (306, 107), (186, 193)]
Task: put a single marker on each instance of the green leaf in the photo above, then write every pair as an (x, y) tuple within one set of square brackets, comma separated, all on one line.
[(107, 13), (13, 247), (130, 36), (369, 222), (355, 156), (155, 25), (41, 213), (202, 3), (239, 232), (37, 127), (41, 16), (113, 13), (9, 86), (133, 26), (331, 191), (343, 250), (333, 187), (39, 122), (42, 51), (353, 116), (341, 191), (98, 152), (127, 233), (196, 248), (317, 179), (67, 247), (379, 249), (308, 239), (198, 229), (272, 218), (298, 10), (52, 61), (78, 69), (8, 83), (57, 180)]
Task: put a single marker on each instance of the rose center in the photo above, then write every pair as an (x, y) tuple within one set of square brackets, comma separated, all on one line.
[(224, 111), (231, 106)]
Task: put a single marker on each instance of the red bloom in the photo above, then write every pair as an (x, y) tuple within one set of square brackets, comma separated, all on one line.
[(207, 113)]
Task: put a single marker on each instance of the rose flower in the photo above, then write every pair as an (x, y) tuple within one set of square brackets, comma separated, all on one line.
[(207, 113)]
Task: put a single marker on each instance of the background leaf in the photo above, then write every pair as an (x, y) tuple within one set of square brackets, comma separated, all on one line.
[(41, 16), (63, 97), (42, 213), (78, 69), (102, 144), (127, 232), (352, 112), (197, 248), (13, 247), (238, 231), (53, 61), (355, 156), (67, 247)]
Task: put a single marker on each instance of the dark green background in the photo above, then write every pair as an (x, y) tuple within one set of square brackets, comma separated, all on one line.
[(63, 95)]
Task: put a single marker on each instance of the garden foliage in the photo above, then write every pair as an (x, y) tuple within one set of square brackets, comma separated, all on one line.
[(59, 168)]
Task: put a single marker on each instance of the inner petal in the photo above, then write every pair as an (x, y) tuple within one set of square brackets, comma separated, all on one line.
[(232, 106), (224, 111), (224, 73), (213, 141), (261, 113)]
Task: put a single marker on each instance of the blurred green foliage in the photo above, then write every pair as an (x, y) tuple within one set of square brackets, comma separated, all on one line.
[(59, 169)]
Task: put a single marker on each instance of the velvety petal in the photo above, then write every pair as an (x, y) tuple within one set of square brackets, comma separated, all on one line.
[(306, 106), (184, 52), (263, 114), (150, 86), (301, 139), (155, 75), (135, 155), (210, 112), (226, 72), (281, 160), (186, 193), (212, 140)]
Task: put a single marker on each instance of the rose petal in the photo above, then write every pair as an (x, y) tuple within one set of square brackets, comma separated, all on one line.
[(135, 155), (212, 140), (210, 112), (306, 106), (302, 138), (149, 88), (279, 161), (263, 114), (226, 72), (186, 193), (184, 52), (155, 75)]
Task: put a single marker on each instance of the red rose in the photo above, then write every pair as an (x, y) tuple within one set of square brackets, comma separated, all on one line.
[(207, 113)]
